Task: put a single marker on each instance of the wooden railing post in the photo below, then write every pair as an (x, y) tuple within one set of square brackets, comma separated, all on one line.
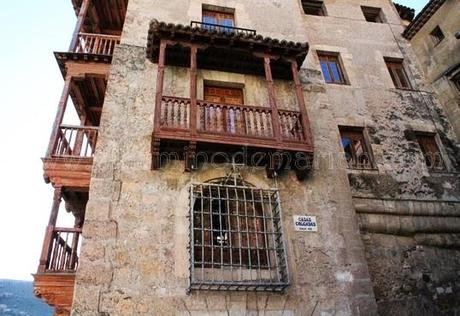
[(45, 255), (301, 103), (59, 116), (272, 99), (78, 27), (159, 87), (79, 139), (193, 88)]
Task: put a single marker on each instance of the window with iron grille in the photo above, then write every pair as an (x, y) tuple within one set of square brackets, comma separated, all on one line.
[(236, 238), (430, 150), (313, 7), (397, 73), (356, 148)]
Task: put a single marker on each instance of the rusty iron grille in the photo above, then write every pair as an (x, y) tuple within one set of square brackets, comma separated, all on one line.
[(236, 238)]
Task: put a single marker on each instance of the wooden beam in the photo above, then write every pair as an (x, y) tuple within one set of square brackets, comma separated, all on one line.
[(78, 27), (272, 99), (301, 103), (193, 88), (159, 87), (59, 116)]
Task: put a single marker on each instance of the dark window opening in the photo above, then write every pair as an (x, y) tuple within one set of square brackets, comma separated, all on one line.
[(372, 14), (430, 150), (356, 149), (397, 73), (456, 80), (236, 238), (331, 68), (437, 35), (313, 7)]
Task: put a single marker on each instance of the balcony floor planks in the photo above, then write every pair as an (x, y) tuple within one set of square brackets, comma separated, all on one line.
[(68, 172), (56, 289)]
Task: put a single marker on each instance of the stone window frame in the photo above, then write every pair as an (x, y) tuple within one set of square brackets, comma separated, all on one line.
[(366, 143), (454, 78), (329, 57), (313, 7), (397, 71), (373, 14)]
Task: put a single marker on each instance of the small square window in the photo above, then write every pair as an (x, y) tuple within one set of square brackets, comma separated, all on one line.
[(356, 149), (218, 18), (313, 7), (332, 68), (372, 14), (397, 73), (437, 35), (430, 150)]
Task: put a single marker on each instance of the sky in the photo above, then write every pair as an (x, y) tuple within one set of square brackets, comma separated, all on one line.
[(30, 88)]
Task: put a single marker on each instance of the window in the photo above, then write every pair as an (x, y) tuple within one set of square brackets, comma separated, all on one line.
[(397, 73), (313, 7), (356, 150), (372, 14), (331, 68), (220, 20), (236, 237), (456, 80), (430, 150), (437, 35), (223, 94)]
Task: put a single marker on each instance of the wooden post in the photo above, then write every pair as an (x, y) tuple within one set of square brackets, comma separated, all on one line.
[(272, 99), (301, 102), (193, 88), (79, 139), (80, 20), (160, 81), (59, 116), (45, 255)]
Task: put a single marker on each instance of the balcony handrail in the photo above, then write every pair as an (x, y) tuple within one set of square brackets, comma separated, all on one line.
[(79, 127), (207, 25), (116, 37), (74, 141), (97, 44), (230, 119)]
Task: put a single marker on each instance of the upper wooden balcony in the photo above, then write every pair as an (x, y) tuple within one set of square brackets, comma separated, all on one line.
[(184, 127)]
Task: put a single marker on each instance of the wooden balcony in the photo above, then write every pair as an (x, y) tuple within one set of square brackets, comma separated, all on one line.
[(184, 128), (241, 125), (96, 44), (55, 279), (70, 159)]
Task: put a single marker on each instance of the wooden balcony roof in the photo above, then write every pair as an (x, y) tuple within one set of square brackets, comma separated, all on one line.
[(225, 50), (105, 16)]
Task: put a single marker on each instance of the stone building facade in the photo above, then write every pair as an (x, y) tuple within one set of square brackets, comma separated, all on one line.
[(384, 184), (435, 43)]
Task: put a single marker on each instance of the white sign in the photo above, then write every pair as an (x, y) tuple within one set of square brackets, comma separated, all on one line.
[(305, 223)]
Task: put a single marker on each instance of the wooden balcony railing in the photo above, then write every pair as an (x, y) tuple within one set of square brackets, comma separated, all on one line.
[(97, 44), (75, 141), (230, 120), (60, 250), (222, 28)]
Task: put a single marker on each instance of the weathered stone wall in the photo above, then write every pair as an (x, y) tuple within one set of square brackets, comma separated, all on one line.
[(134, 256), (437, 59)]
